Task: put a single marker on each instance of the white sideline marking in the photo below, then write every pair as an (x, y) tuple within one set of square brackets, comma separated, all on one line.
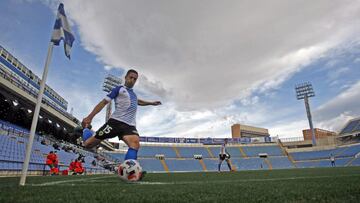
[(194, 182), (243, 180), (154, 183), (69, 181)]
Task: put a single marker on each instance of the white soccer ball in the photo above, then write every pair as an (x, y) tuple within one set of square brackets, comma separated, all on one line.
[(130, 170)]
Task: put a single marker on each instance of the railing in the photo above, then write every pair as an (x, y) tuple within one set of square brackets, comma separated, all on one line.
[(291, 139)]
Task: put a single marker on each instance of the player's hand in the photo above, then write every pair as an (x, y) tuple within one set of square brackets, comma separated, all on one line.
[(155, 103), (86, 122)]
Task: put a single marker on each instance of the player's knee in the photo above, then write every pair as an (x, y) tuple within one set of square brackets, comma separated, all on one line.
[(87, 145), (135, 144)]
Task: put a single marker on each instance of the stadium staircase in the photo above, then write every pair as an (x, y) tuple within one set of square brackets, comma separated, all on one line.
[(268, 163), (243, 153), (291, 159)]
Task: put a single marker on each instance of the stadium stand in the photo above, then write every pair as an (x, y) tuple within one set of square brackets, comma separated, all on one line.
[(176, 157), (350, 133), (273, 150), (13, 142), (352, 126), (340, 152), (176, 165), (183, 159), (247, 160), (314, 155), (151, 165), (280, 162), (150, 151), (189, 152)]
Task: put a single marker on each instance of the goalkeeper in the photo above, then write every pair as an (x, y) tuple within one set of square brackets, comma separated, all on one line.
[(224, 155)]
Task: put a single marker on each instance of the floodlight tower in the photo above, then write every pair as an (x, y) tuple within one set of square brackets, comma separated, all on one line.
[(110, 82), (304, 91)]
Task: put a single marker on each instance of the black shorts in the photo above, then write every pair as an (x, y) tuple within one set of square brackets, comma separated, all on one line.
[(114, 128), (222, 157)]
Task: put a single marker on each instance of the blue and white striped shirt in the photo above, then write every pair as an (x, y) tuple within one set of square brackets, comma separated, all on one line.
[(126, 103)]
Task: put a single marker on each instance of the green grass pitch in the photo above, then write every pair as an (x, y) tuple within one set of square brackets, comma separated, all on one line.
[(292, 185)]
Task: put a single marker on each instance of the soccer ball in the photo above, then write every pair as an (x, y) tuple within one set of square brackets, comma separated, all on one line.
[(130, 170)]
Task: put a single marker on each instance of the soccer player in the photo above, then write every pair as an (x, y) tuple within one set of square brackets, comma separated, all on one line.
[(332, 159), (224, 155), (122, 122)]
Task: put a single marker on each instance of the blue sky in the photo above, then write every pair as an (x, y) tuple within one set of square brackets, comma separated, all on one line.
[(211, 63)]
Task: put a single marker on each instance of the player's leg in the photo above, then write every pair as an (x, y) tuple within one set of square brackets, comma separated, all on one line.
[(91, 142), (228, 163), (109, 130), (220, 161), (133, 142), (130, 136)]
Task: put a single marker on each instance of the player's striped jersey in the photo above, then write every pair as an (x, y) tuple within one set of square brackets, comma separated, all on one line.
[(125, 104), (223, 149)]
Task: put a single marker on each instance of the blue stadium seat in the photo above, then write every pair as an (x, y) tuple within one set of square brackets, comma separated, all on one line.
[(254, 151), (350, 127), (151, 165), (189, 152), (183, 165), (151, 151), (280, 162)]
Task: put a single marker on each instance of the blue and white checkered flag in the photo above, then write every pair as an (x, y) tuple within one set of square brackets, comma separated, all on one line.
[(62, 31)]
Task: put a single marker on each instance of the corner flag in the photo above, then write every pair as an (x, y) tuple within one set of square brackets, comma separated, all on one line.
[(62, 31)]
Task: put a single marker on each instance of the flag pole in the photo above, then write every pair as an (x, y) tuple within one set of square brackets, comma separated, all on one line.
[(36, 116)]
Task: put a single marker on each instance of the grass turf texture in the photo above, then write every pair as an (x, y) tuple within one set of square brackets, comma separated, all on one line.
[(293, 185)]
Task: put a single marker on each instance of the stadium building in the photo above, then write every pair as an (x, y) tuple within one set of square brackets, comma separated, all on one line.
[(240, 130), (319, 133)]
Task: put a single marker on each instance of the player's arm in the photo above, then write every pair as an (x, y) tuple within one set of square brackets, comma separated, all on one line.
[(112, 95), (146, 103), (86, 121)]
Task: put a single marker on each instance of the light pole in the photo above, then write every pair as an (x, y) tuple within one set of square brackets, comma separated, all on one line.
[(110, 82), (304, 91)]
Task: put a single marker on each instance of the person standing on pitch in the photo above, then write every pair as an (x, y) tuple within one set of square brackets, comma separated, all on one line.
[(122, 122), (224, 155), (332, 159)]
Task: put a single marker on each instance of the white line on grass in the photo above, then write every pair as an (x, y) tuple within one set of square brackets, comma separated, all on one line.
[(242, 180), (70, 181), (193, 182)]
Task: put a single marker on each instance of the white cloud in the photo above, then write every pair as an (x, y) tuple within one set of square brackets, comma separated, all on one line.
[(337, 111), (108, 68), (289, 129), (357, 60), (336, 123), (198, 57), (217, 51), (336, 73)]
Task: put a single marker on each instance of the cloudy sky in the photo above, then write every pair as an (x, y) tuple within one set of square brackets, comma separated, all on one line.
[(212, 63)]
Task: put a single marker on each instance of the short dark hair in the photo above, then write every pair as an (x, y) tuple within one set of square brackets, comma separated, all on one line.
[(131, 71)]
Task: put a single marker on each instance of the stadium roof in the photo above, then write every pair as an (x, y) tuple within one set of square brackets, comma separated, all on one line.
[(353, 126)]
